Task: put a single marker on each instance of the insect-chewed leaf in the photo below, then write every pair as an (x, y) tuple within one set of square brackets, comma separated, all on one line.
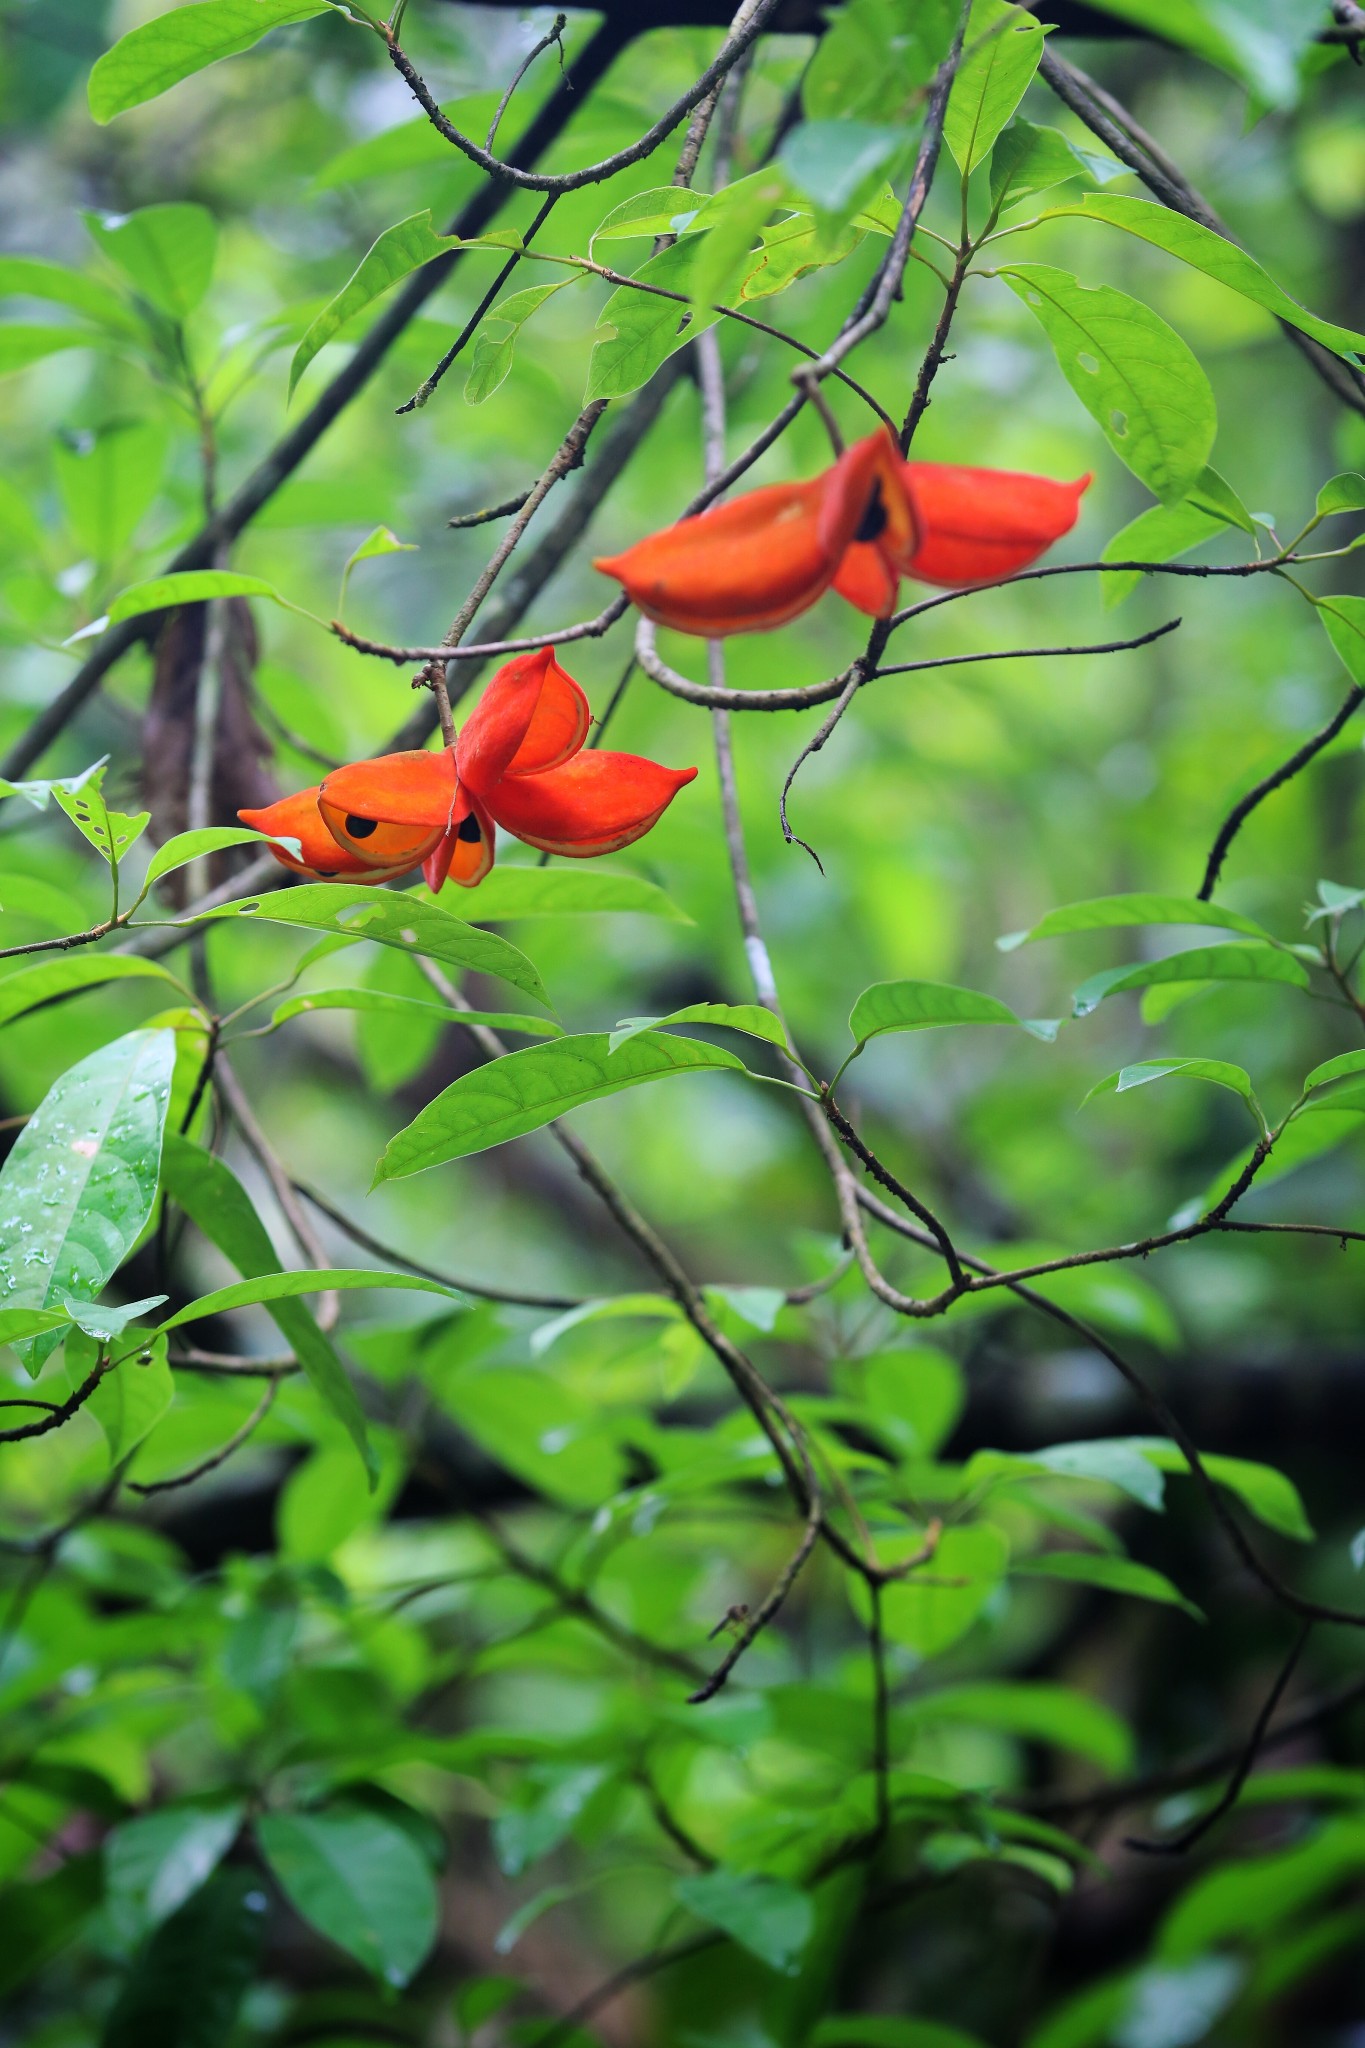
[(528, 1089)]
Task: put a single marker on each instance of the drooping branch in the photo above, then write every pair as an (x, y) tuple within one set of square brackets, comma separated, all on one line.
[(1277, 779)]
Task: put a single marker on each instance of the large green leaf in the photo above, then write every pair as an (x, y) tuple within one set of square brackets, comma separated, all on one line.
[(1133, 374), (275, 1287), (920, 1005), (210, 1193), (166, 252), (63, 973), (932, 1606), (1112, 1574), (1231, 962), (526, 1089), (1217, 257), (873, 58), (109, 481), (1343, 621), (30, 277), (156, 1861), (360, 1879), (1028, 159), (1112, 913), (750, 1018), (187, 586), (769, 1917), (1041, 1713), (403, 248), (78, 1187), (152, 58), (1247, 1899), (392, 918), (1001, 49), (1268, 1494), (637, 330)]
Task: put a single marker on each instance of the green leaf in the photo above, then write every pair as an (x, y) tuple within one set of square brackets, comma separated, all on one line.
[(1001, 49), (920, 1005), (883, 2030), (539, 1430), (29, 277), (523, 1834), (108, 482), (1053, 1714), (158, 1860), (107, 1323), (638, 331), (1338, 1069), (191, 846), (392, 918), (78, 1187), (1243, 1901), (111, 833), (1239, 41), (512, 892), (18, 1323), (765, 1915), (838, 165), (751, 1018), (1217, 257), (187, 586), (403, 248), (1028, 159), (1161, 534), (1345, 493), (874, 57), (64, 973), (936, 1604), (166, 252), (1111, 1574), (1133, 374), (382, 1002), (188, 1983), (1343, 621), (40, 794), (413, 145), (1112, 1461), (211, 1195), (360, 1880), (25, 342), (1269, 1495), (152, 58), (661, 210), (527, 1089), (268, 1287), (1112, 913), (496, 341), (130, 1399), (913, 1395), (1219, 1072), (1230, 962), (44, 1915)]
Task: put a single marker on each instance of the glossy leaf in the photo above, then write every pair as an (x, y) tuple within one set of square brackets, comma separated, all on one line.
[(79, 1184), (1111, 1574), (157, 55), (920, 1005), (1112, 913), (187, 586), (1001, 48), (1133, 374), (158, 1860), (192, 846), (1220, 1072), (527, 1089), (63, 973), (1345, 493), (1269, 1495), (407, 922), (401, 249), (750, 1018), (765, 1915), (1231, 962), (513, 892), (1343, 621), (268, 1287), (360, 1880), (1215, 255)]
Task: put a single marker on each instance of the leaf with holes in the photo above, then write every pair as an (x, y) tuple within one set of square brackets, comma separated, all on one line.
[(1133, 374), (111, 833), (391, 918), (78, 1187)]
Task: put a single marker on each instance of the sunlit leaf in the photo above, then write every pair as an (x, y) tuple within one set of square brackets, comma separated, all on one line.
[(157, 55)]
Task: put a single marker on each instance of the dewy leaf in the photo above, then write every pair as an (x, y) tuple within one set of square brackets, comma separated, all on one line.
[(360, 1879), (1133, 374), (400, 249), (211, 1195), (391, 918), (1113, 913), (766, 1915), (750, 1018), (65, 973), (496, 341), (152, 58), (919, 1005), (512, 892), (156, 1861), (1217, 257), (166, 252), (1111, 1574), (528, 1089), (1231, 962), (1001, 48), (78, 1187)]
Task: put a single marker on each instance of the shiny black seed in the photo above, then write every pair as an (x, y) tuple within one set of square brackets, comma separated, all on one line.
[(361, 828), (468, 830), (873, 521)]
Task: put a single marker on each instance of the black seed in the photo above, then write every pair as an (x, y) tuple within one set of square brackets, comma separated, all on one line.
[(873, 521), (468, 830), (327, 874), (361, 828)]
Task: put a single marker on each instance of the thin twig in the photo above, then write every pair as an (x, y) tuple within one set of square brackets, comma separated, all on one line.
[(218, 1457), (1286, 772), (552, 35)]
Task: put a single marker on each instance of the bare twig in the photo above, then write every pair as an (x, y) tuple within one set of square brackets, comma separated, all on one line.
[(552, 36), (1286, 772)]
